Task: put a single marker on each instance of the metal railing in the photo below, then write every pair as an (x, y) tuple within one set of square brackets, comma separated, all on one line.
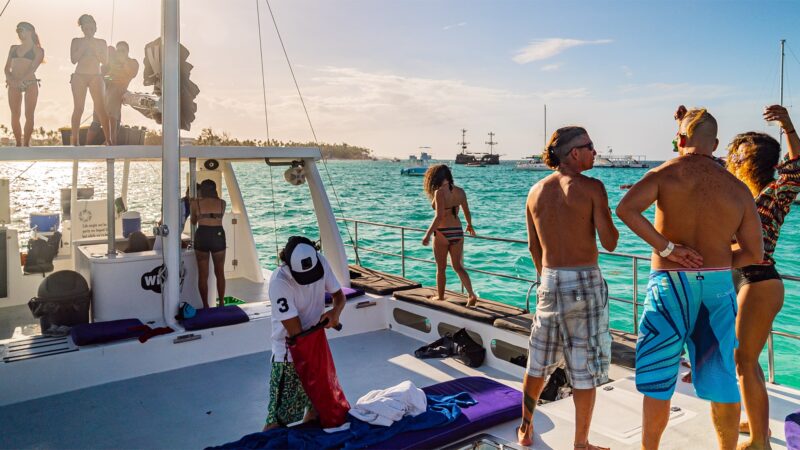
[(635, 259)]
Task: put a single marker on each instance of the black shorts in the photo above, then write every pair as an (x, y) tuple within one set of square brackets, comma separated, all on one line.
[(754, 274), (209, 239)]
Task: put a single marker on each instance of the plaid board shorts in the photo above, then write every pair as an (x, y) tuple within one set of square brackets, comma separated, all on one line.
[(571, 324), (287, 399)]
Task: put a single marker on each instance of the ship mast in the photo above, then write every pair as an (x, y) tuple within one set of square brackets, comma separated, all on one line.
[(491, 142), (545, 126), (463, 142)]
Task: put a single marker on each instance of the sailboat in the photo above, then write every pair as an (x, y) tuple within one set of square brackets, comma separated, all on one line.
[(464, 157), (534, 162), (489, 158)]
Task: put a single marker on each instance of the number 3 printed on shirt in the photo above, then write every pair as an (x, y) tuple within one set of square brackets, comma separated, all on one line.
[(283, 305)]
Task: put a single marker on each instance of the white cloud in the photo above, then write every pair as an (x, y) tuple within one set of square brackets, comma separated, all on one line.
[(455, 25), (547, 48), (627, 71), (551, 67)]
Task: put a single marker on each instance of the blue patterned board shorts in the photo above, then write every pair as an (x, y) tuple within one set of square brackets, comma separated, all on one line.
[(287, 399), (571, 325), (696, 309)]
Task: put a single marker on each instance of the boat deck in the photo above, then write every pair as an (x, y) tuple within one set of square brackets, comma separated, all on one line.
[(214, 403)]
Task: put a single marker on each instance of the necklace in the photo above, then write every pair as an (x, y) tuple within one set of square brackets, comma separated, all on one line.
[(711, 157)]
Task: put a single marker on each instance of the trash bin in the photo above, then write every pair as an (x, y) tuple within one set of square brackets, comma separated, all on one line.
[(63, 299)]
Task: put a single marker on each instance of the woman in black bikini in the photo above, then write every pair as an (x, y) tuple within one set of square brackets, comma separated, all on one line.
[(21, 65), (446, 228), (88, 53), (209, 239), (754, 158)]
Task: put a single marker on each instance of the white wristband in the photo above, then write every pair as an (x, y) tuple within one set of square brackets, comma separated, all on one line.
[(667, 251)]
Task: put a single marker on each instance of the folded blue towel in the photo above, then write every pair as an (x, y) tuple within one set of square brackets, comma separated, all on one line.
[(441, 410)]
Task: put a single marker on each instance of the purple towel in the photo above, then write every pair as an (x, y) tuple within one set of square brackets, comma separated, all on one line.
[(348, 294), (792, 428)]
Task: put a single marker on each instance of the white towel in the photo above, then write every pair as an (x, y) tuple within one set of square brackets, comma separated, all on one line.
[(387, 406)]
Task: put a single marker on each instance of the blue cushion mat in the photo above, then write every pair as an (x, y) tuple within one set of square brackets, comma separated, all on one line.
[(219, 316), (102, 332)]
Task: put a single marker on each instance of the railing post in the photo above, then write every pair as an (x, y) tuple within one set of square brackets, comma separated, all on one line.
[(635, 297), (355, 243), (403, 251), (771, 357)]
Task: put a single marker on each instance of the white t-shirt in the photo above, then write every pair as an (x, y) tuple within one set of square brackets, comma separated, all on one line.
[(290, 299)]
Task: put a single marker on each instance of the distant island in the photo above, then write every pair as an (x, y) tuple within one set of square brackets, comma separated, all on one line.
[(207, 137)]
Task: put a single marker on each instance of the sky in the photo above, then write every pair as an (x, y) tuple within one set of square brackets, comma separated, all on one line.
[(397, 75)]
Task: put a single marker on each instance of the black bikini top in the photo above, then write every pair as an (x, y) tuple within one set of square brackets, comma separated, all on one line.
[(203, 215), (30, 54)]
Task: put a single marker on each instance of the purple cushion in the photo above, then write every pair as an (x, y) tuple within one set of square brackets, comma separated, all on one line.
[(219, 316), (101, 332), (497, 403), (792, 428), (348, 294)]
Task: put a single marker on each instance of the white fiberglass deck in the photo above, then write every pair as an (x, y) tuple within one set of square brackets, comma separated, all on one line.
[(218, 402)]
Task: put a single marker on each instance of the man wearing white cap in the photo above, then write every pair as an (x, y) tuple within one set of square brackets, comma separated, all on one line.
[(297, 293)]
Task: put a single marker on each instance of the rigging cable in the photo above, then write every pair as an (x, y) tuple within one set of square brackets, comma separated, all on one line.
[(313, 133), (4, 8), (266, 126)]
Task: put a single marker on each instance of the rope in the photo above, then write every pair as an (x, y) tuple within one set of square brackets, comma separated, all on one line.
[(26, 169), (263, 78), (266, 127), (111, 38), (4, 8), (274, 219), (313, 133)]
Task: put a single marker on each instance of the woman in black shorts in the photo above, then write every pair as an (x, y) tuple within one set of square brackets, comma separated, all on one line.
[(209, 239)]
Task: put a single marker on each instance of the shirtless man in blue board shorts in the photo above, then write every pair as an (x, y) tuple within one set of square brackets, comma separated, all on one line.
[(565, 213), (690, 296)]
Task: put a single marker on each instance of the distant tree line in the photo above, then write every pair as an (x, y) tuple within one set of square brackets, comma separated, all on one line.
[(209, 137), (335, 151)]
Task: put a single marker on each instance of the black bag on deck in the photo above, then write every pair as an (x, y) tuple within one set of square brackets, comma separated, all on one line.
[(467, 351), (63, 299), (440, 348), (557, 380), (41, 254)]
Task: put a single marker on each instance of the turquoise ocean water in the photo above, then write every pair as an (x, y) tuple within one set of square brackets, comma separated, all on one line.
[(375, 191)]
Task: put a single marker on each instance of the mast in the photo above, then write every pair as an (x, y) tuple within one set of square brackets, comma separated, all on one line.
[(545, 126), (463, 142), (170, 158), (783, 55), (491, 142)]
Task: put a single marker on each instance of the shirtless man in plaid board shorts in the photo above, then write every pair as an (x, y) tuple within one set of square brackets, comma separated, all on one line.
[(564, 213)]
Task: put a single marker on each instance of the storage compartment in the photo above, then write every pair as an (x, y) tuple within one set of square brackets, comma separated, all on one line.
[(63, 300)]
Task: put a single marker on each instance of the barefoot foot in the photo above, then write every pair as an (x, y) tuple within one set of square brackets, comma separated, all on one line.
[(525, 439), (472, 301), (744, 428), (588, 446)]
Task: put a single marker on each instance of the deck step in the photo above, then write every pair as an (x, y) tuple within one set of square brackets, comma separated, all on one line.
[(36, 347)]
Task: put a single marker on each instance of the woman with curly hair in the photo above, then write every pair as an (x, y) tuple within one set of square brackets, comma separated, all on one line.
[(753, 158), (446, 227)]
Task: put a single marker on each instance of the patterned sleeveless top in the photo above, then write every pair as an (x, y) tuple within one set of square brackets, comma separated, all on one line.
[(774, 201)]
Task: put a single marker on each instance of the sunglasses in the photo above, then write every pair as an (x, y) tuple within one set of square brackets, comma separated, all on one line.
[(589, 146)]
